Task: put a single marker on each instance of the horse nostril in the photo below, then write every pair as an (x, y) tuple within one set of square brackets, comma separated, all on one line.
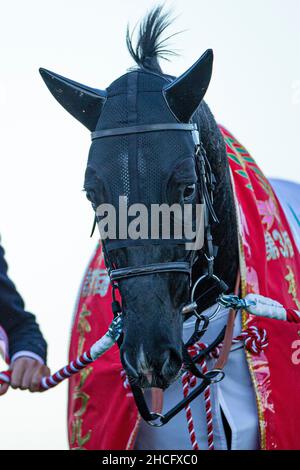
[(131, 371), (165, 366), (171, 363)]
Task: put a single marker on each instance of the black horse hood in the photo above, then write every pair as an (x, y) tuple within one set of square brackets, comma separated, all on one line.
[(137, 165)]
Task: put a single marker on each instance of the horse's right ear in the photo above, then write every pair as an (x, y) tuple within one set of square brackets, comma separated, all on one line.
[(186, 92), (83, 102)]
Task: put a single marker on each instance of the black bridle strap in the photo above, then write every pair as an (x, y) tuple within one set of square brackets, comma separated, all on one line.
[(185, 401), (143, 128), (164, 419), (207, 379), (124, 273)]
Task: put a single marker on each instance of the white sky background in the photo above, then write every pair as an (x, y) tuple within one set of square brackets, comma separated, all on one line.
[(45, 218)]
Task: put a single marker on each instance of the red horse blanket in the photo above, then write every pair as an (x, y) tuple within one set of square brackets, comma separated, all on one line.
[(102, 413)]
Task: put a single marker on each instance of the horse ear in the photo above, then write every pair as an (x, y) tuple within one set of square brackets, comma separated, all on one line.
[(83, 102), (186, 92)]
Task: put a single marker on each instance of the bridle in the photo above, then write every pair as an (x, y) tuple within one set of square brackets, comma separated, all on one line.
[(205, 187)]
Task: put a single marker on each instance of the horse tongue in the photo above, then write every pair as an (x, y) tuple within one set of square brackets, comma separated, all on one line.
[(157, 398)]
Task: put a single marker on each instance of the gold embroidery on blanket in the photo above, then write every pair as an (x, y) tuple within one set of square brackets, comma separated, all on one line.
[(239, 154), (82, 328), (290, 278), (77, 435), (77, 439), (84, 397), (83, 376)]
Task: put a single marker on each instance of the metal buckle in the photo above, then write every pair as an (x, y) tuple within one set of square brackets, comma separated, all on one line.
[(215, 373), (155, 417)]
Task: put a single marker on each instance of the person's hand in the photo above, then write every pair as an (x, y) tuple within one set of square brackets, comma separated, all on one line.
[(3, 389), (26, 375)]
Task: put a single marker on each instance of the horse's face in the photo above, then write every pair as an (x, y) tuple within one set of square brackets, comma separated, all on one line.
[(150, 169)]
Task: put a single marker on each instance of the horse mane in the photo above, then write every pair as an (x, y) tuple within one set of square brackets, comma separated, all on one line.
[(149, 45)]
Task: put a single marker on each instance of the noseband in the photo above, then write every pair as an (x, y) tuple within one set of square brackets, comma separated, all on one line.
[(173, 266), (205, 187)]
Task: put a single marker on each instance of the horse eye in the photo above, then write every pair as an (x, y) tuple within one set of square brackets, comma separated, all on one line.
[(189, 192)]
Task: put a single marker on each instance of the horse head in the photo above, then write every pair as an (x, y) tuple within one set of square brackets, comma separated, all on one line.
[(143, 153)]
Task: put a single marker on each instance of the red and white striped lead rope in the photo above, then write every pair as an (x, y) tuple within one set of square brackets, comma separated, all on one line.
[(97, 350), (255, 339)]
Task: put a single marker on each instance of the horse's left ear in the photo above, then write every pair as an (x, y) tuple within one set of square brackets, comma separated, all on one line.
[(83, 102), (186, 92)]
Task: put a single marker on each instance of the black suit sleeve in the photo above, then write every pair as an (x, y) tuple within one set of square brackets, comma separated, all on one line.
[(20, 326)]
